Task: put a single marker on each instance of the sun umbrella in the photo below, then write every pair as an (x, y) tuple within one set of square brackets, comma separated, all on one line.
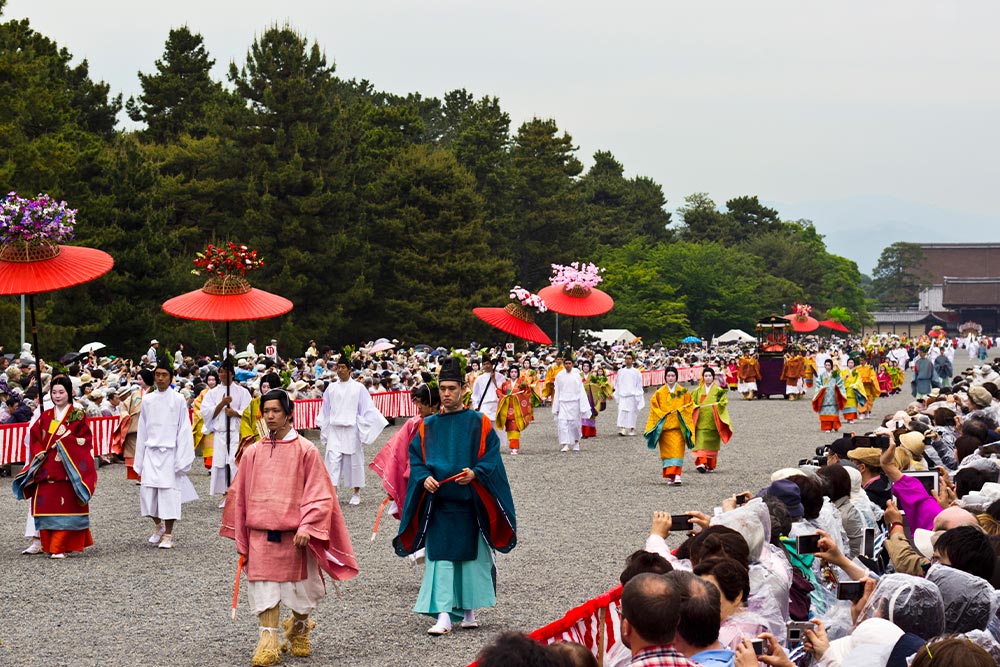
[(35, 268), (515, 320), (802, 324), (691, 339), (572, 292), (92, 347), (381, 345), (227, 297), (834, 324)]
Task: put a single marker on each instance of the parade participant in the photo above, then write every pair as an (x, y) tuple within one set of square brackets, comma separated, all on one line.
[(854, 393), (164, 453), (628, 395), (829, 399), (670, 425), (732, 374), (549, 386), (484, 394), (287, 525), (516, 407), (923, 374), (347, 421), (870, 385), (884, 379), (792, 373), (944, 370), (203, 437), (569, 404), (598, 390), (392, 463), (897, 376), (60, 476), (458, 506), (128, 427), (748, 374), (470, 377), (221, 409), (252, 424), (809, 372), (712, 427)]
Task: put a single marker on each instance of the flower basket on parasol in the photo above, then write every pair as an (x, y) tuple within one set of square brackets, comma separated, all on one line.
[(227, 295), (937, 331), (32, 259), (802, 321), (518, 317), (574, 292)]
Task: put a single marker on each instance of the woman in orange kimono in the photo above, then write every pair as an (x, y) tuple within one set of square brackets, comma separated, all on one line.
[(60, 476), (670, 426), (515, 409), (870, 383)]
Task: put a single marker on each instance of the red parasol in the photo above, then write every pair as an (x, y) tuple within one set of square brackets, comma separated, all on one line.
[(577, 301), (835, 325), (802, 324), (35, 268), (210, 305), (515, 320)]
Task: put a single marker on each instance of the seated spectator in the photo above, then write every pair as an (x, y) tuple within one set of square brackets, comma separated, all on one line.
[(573, 654), (970, 603), (650, 613), (513, 649), (867, 460), (733, 582), (838, 487), (952, 651), (20, 412)]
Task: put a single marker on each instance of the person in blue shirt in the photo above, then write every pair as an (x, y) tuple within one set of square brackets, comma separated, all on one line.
[(700, 610)]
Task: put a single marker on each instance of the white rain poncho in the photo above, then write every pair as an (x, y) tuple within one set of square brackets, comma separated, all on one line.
[(970, 602), (868, 646), (912, 603)]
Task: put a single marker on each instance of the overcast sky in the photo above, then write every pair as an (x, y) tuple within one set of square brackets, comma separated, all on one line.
[(793, 101)]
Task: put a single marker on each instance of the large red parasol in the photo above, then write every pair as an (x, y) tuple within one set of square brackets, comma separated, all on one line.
[(802, 324), (35, 268), (835, 325), (577, 301), (515, 320)]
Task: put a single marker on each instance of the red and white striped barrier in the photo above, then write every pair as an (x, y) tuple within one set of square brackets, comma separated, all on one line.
[(394, 403), (305, 411), (14, 446), (595, 624), (103, 429)]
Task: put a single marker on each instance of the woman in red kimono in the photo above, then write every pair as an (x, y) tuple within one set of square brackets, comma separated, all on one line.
[(60, 476), (515, 409)]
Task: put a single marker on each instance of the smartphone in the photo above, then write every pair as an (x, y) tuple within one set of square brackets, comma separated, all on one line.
[(868, 543), (742, 499), (796, 631), (850, 590), (929, 478), (758, 646), (807, 544), (679, 522)]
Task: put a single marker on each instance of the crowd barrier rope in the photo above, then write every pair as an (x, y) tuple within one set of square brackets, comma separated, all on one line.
[(13, 437)]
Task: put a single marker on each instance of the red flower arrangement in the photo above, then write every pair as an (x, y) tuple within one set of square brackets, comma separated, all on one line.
[(228, 260)]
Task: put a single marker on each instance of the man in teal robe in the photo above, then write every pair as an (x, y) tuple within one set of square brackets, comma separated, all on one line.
[(458, 507)]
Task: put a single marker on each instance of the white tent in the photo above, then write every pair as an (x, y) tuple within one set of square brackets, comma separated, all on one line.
[(612, 336), (734, 336)]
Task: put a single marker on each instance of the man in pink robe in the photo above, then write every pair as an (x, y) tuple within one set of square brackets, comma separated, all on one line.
[(285, 518)]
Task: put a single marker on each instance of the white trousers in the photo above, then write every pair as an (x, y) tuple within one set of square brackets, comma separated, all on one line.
[(302, 597), (570, 432), (161, 503), (349, 468), (217, 484)]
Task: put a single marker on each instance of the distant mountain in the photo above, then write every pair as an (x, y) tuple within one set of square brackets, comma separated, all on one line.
[(859, 228)]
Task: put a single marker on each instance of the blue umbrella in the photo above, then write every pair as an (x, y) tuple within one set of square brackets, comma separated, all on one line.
[(691, 339)]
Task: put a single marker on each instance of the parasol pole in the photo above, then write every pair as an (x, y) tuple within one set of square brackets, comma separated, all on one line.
[(231, 375), (22, 321), (38, 357)]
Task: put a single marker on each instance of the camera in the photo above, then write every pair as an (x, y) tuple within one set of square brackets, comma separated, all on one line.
[(796, 631), (819, 460)]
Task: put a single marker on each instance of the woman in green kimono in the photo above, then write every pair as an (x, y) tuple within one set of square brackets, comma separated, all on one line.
[(712, 427)]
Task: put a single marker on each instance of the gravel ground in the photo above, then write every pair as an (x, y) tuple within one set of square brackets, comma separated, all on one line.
[(579, 514)]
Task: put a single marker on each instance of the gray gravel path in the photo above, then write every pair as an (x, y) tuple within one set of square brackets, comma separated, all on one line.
[(124, 603)]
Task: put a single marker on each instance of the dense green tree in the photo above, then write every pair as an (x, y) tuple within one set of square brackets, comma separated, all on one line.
[(542, 224), (898, 277), (645, 303), (617, 209), (175, 98), (702, 221)]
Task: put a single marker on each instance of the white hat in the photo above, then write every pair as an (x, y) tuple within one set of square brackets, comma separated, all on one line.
[(154, 342)]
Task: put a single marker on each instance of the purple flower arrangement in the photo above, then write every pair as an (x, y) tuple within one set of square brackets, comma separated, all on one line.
[(38, 221)]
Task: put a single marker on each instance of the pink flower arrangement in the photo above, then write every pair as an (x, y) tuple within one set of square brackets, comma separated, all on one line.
[(802, 310), (35, 221), (576, 275), (527, 299), (228, 260)]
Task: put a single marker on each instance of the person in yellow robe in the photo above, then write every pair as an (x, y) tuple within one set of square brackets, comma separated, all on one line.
[(670, 425), (810, 371), (855, 392), (203, 441), (549, 386), (515, 409), (869, 381), (252, 424), (712, 427)]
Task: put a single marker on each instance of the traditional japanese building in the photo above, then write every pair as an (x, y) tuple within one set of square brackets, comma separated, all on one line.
[(965, 283)]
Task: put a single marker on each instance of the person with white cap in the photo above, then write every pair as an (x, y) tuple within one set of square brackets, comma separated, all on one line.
[(151, 352)]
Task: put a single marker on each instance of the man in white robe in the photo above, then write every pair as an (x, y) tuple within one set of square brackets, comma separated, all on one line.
[(569, 404), (164, 453), (222, 409), (628, 396), (347, 421), (484, 396)]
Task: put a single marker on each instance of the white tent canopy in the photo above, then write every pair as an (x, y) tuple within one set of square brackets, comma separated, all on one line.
[(734, 336), (612, 336)]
